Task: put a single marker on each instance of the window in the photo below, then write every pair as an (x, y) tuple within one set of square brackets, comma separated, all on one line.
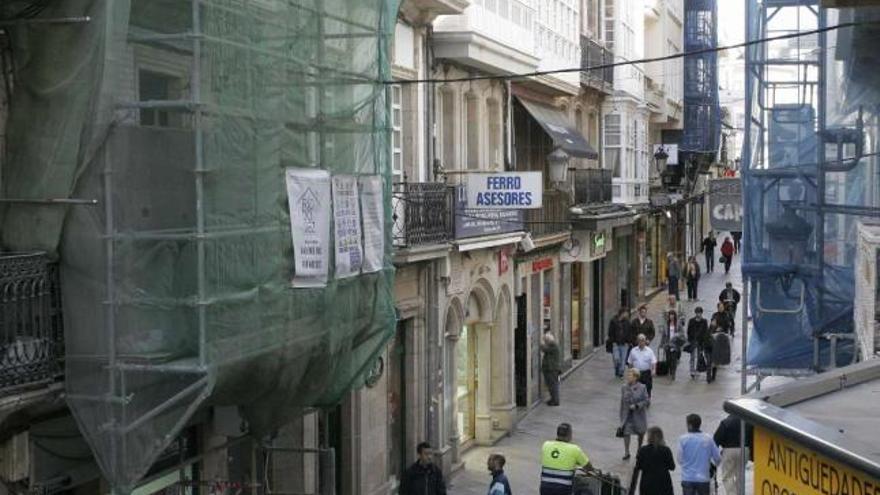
[(447, 135), (154, 86), (473, 131), (496, 158), (612, 144), (397, 133)]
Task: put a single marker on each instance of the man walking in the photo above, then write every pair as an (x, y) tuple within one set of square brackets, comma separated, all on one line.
[(642, 358), (727, 436), (559, 460), (697, 452), (673, 273), (730, 297), (499, 484), (620, 336), (641, 324), (423, 477), (737, 240), (709, 244), (698, 336), (550, 366)]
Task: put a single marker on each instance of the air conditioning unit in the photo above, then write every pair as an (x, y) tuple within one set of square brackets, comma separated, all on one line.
[(867, 300)]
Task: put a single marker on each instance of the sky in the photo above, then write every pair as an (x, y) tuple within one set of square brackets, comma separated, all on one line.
[(731, 21)]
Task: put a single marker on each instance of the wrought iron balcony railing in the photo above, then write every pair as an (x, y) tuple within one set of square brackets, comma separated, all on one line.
[(552, 218), (31, 334), (594, 54), (421, 213), (592, 186)]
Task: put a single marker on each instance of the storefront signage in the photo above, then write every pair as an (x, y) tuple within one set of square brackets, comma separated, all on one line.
[(542, 264), (725, 204), (784, 467), (504, 190), (584, 246), (470, 222)]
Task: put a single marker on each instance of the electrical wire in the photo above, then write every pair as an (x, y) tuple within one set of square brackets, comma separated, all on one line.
[(523, 75)]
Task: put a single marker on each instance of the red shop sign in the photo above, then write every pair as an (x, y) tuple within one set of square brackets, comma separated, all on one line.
[(541, 265)]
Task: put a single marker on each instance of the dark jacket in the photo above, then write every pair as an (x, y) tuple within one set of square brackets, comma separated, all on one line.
[(422, 480), (692, 271), (654, 462), (551, 361), (709, 244), (727, 434), (698, 332), (499, 484), (723, 320), (620, 332), (734, 294), (646, 328)]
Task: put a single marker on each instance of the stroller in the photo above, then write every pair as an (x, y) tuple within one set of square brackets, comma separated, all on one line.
[(596, 482)]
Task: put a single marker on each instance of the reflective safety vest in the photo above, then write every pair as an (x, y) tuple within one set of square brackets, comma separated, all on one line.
[(558, 462)]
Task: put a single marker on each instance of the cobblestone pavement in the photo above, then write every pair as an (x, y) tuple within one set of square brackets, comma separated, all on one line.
[(590, 400)]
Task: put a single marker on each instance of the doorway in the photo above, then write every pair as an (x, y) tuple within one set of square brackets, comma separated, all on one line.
[(466, 376), (521, 351), (576, 293), (397, 407), (596, 317)]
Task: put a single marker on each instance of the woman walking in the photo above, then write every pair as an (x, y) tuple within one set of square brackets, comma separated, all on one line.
[(634, 402), (672, 341), (654, 462), (692, 275)]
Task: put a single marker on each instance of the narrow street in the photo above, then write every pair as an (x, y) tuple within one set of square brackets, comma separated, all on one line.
[(589, 401)]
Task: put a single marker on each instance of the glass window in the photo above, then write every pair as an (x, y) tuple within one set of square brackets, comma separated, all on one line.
[(397, 133), (450, 160), (473, 132)]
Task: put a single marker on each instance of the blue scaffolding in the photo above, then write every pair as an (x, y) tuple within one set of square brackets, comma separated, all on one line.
[(702, 113), (809, 176)]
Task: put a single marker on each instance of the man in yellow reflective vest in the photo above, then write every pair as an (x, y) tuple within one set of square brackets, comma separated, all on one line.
[(559, 460)]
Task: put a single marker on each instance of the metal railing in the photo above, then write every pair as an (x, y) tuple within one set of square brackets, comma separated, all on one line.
[(552, 218), (593, 54), (31, 333), (592, 186), (421, 213)]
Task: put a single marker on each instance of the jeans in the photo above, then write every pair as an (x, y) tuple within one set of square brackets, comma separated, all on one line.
[(710, 261), (551, 379), (695, 353), (673, 287), (694, 488), (619, 353)]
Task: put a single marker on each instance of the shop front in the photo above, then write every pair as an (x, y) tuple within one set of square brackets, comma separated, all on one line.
[(581, 259)]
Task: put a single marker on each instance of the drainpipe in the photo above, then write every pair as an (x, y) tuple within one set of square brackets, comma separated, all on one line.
[(509, 156), (430, 112)]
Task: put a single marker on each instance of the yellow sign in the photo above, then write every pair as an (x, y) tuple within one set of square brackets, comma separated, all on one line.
[(784, 467)]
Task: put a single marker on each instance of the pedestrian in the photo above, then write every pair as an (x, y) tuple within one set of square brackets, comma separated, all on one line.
[(642, 359), (692, 275), (634, 402), (620, 336), (654, 462), (672, 341), (720, 350), (697, 453), (737, 240), (727, 437), (697, 337), (559, 460), (673, 273), (722, 317), (730, 297), (672, 304), (709, 244), (551, 366), (499, 484), (423, 477), (727, 254), (641, 324)]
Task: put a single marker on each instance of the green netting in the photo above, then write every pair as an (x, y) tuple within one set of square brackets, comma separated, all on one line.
[(180, 118)]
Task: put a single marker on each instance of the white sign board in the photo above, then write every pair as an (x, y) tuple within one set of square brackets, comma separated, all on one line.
[(505, 190), (373, 214), (308, 198), (347, 222)]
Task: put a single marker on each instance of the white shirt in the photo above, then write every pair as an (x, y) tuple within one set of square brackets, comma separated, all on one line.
[(642, 359)]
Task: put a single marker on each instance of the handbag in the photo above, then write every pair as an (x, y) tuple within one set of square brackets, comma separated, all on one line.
[(722, 259), (688, 348), (609, 346), (619, 432)]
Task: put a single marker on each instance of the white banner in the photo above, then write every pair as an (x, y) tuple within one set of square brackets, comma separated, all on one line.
[(347, 221), (504, 190), (308, 198), (373, 213)]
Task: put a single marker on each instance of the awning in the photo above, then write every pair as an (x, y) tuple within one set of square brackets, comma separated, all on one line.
[(564, 134)]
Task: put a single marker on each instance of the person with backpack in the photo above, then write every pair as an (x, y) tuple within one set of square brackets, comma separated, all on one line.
[(727, 253)]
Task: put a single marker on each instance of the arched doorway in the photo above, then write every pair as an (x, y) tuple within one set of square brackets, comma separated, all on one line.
[(502, 392), (453, 325), (473, 358)]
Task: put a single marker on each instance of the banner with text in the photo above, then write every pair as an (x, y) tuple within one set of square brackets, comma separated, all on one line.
[(725, 204), (505, 190), (373, 215), (308, 199), (347, 223)]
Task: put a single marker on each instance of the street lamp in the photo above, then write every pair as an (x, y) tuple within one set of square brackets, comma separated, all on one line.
[(558, 161), (669, 174)]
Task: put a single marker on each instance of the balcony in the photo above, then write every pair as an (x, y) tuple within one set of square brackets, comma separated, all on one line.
[(552, 218), (592, 186), (498, 37), (421, 214), (592, 54), (30, 322), (630, 191)]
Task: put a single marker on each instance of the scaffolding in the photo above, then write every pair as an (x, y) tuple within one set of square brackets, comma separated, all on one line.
[(702, 113), (809, 177), (174, 122)]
